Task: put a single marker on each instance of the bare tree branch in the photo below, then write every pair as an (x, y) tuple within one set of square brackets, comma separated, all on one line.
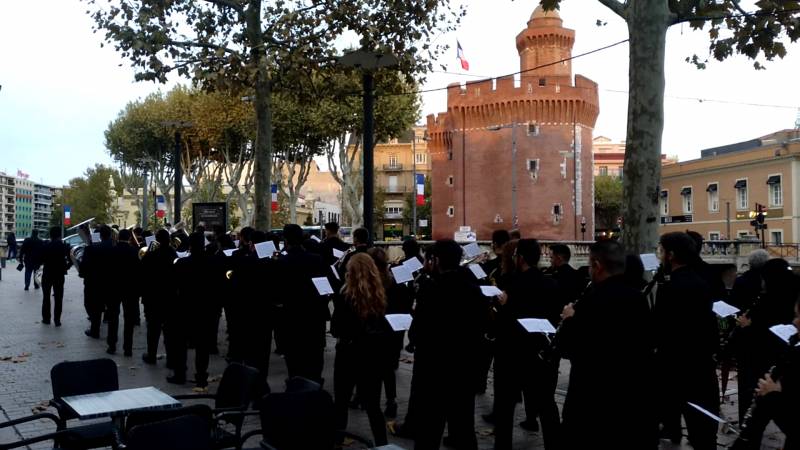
[(620, 9), (202, 45)]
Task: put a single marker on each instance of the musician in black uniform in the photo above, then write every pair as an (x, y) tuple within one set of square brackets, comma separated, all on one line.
[(126, 262), (332, 242), (159, 291), (523, 362), (361, 244), (570, 283), (192, 319), (305, 312), (686, 341), (748, 286), (777, 399), (606, 335), (448, 325), (97, 270), (55, 262), (31, 255)]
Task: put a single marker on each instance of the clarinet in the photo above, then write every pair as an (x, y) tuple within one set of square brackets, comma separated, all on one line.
[(775, 372)]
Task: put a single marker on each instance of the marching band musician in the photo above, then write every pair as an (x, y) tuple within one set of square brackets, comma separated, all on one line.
[(55, 263), (158, 292), (125, 259), (97, 271)]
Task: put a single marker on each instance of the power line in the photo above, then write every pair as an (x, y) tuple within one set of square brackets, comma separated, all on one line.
[(711, 100)]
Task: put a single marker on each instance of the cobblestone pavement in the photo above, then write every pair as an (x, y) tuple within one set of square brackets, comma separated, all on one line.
[(34, 348)]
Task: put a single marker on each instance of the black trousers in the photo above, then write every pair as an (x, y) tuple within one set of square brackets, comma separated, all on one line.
[(52, 284), (304, 351), (130, 314), (697, 385), (93, 303), (444, 396), (179, 331), (389, 375), (536, 379), (350, 370), (155, 324), (771, 407)]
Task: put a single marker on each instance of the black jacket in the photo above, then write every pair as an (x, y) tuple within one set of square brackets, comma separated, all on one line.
[(530, 295), (159, 283), (327, 246), (127, 265), (31, 252), (610, 336), (449, 323), (570, 282), (687, 328), (55, 258), (304, 310)]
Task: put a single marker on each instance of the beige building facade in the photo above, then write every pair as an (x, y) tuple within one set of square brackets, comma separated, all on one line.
[(717, 194), (609, 157)]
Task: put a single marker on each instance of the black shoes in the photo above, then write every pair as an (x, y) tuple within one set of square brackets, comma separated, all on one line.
[(111, 350), (45, 321), (488, 418), (58, 323), (92, 335), (148, 359)]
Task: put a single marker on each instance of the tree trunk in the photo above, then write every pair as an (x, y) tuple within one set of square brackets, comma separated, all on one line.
[(648, 21), (263, 106)]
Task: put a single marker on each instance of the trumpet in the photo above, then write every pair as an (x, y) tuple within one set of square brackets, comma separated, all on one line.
[(145, 250)]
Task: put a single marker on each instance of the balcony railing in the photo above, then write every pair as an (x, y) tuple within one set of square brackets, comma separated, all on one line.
[(396, 189), (393, 216), (392, 167)]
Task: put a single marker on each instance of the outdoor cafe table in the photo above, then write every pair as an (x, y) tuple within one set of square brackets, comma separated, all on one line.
[(118, 403)]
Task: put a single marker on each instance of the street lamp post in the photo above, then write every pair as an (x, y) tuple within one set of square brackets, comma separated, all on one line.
[(583, 228), (176, 164), (368, 61)]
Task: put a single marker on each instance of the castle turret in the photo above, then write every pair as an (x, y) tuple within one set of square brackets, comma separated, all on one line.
[(546, 42)]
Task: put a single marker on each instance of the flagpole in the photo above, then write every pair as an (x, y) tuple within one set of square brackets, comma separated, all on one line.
[(414, 178)]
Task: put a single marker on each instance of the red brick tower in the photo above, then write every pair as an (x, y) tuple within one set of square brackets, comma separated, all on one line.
[(471, 145)]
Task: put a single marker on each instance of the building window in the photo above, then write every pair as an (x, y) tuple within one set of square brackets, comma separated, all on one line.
[(713, 236), (533, 165), (775, 191), (421, 158), (533, 129), (686, 193), (396, 210), (542, 82), (557, 209), (742, 234), (603, 171), (663, 203), (713, 197), (741, 194), (393, 160), (776, 237), (450, 181), (451, 211)]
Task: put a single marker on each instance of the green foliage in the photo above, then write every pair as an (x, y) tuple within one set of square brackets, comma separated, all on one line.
[(90, 195), (607, 200)]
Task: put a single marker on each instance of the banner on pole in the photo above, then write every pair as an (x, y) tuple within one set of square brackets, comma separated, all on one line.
[(67, 215), (274, 190)]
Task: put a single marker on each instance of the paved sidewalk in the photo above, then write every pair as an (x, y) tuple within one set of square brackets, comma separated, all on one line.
[(29, 349)]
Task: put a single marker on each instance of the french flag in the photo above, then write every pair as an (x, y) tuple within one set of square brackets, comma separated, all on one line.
[(460, 56), (67, 215), (274, 197), (420, 189)]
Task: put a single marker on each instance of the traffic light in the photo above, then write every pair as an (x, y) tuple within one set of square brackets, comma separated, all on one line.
[(759, 213)]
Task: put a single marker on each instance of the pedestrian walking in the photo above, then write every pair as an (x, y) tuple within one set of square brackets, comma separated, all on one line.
[(55, 262), (11, 240), (31, 255)]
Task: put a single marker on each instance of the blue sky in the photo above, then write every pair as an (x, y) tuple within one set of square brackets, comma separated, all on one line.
[(60, 89)]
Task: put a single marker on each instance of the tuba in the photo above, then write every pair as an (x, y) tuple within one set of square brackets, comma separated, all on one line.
[(76, 252)]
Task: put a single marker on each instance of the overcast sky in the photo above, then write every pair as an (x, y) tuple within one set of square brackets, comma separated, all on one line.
[(60, 89)]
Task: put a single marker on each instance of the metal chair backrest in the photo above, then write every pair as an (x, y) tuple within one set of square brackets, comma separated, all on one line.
[(237, 386), (301, 420), (188, 432), (83, 377)]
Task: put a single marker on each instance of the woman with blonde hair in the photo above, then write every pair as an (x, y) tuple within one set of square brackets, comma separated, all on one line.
[(363, 336)]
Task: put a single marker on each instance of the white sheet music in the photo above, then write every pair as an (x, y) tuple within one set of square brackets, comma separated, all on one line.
[(149, 240), (323, 285), (236, 244), (537, 325), (335, 272), (229, 252), (337, 253), (472, 250), (316, 239), (491, 291), (413, 264), (182, 254), (477, 270), (96, 237), (265, 249), (784, 331), (707, 413), (650, 261), (402, 274), (723, 309), (399, 322)]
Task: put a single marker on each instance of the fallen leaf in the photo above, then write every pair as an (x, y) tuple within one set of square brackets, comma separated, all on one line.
[(24, 355), (199, 390), (392, 426), (215, 379)]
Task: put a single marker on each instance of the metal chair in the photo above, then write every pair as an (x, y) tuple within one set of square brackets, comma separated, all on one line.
[(233, 397), (302, 418), (63, 434), (141, 418), (187, 432), (77, 378)]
